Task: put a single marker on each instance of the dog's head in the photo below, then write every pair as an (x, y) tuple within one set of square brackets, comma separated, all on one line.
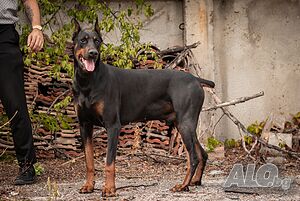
[(86, 47)]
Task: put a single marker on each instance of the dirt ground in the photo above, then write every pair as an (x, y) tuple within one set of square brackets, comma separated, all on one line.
[(142, 178)]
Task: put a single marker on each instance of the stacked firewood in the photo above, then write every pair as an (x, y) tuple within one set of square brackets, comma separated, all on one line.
[(44, 91)]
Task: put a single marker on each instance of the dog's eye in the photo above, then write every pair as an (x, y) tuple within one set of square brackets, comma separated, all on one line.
[(97, 41), (83, 41)]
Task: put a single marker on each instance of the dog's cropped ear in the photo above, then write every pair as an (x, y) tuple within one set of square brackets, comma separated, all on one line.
[(97, 28), (77, 28)]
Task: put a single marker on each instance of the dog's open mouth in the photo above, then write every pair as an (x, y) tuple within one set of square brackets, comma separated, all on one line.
[(88, 64)]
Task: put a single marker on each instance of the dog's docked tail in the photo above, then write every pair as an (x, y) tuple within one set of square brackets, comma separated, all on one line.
[(206, 83)]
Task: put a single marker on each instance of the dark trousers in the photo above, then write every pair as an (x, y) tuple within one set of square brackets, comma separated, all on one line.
[(12, 94)]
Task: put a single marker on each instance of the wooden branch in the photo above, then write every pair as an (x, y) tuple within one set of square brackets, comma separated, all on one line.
[(149, 156), (3, 152), (53, 15), (234, 102), (178, 49), (177, 60), (244, 129), (254, 145), (57, 98), (49, 109), (9, 120), (136, 186), (241, 190), (181, 56), (73, 160), (244, 145), (154, 154), (34, 99)]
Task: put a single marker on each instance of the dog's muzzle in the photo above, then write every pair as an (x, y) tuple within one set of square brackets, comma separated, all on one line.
[(89, 62)]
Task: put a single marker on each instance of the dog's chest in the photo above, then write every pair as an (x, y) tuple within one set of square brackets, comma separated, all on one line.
[(84, 101), (90, 108), (88, 100)]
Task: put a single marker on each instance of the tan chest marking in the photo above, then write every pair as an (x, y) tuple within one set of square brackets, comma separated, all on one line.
[(99, 107)]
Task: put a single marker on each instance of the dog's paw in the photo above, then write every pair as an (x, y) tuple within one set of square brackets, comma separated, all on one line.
[(179, 188), (108, 192), (195, 183), (87, 188)]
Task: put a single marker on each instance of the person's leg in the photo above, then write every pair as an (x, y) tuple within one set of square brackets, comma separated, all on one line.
[(13, 98)]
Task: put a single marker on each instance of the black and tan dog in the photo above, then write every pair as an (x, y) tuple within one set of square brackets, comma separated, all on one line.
[(110, 97)]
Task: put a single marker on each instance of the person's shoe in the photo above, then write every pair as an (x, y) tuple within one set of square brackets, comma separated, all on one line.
[(26, 175)]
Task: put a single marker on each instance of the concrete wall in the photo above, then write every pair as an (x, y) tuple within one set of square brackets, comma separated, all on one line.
[(162, 29), (257, 47), (197, 20), (246, 46)]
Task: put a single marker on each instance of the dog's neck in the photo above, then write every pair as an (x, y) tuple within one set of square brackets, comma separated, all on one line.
[(84, 83)]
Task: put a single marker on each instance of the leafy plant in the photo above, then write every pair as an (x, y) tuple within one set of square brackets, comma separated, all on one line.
[(120, 55), (39, 170), (281, 143), (3, 120), (52, 123), (56, 46), (49, 122), (6, 156), (296, 119), (230, 143), (212, 143), (248, 139), (256, 128)]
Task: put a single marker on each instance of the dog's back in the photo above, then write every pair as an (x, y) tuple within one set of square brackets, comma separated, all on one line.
[(151, 93)]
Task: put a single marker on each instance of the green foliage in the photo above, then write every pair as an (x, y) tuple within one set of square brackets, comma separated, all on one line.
[(54, 123), (248, 139), (87, 11), (296, 119), (212, 143), (39, 170), (54, 50), (6, 157), (3, 119), (57, 122), (256, 128), (230, 143), (281, 144), (297, 116), (63, 104), (49, 122)]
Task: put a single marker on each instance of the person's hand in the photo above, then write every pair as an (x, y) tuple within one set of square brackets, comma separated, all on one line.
[(35, 40)]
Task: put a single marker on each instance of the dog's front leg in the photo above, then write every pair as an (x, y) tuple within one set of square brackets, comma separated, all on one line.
[(86, 132), (109, 188)]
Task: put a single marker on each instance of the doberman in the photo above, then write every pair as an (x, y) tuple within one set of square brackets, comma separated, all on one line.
[(110, 97)]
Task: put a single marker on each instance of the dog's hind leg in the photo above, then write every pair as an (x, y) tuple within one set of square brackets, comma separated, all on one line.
[(86, 132), (109, 188), (202, 162), (187, 129), (187, 103)]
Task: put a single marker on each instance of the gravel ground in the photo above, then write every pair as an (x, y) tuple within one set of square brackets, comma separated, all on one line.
[(138, 178)]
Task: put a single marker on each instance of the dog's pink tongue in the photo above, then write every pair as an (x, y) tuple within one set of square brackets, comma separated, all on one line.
[(89, 65)]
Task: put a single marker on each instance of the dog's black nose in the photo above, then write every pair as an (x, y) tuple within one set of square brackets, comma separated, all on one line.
[(93, 53)]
